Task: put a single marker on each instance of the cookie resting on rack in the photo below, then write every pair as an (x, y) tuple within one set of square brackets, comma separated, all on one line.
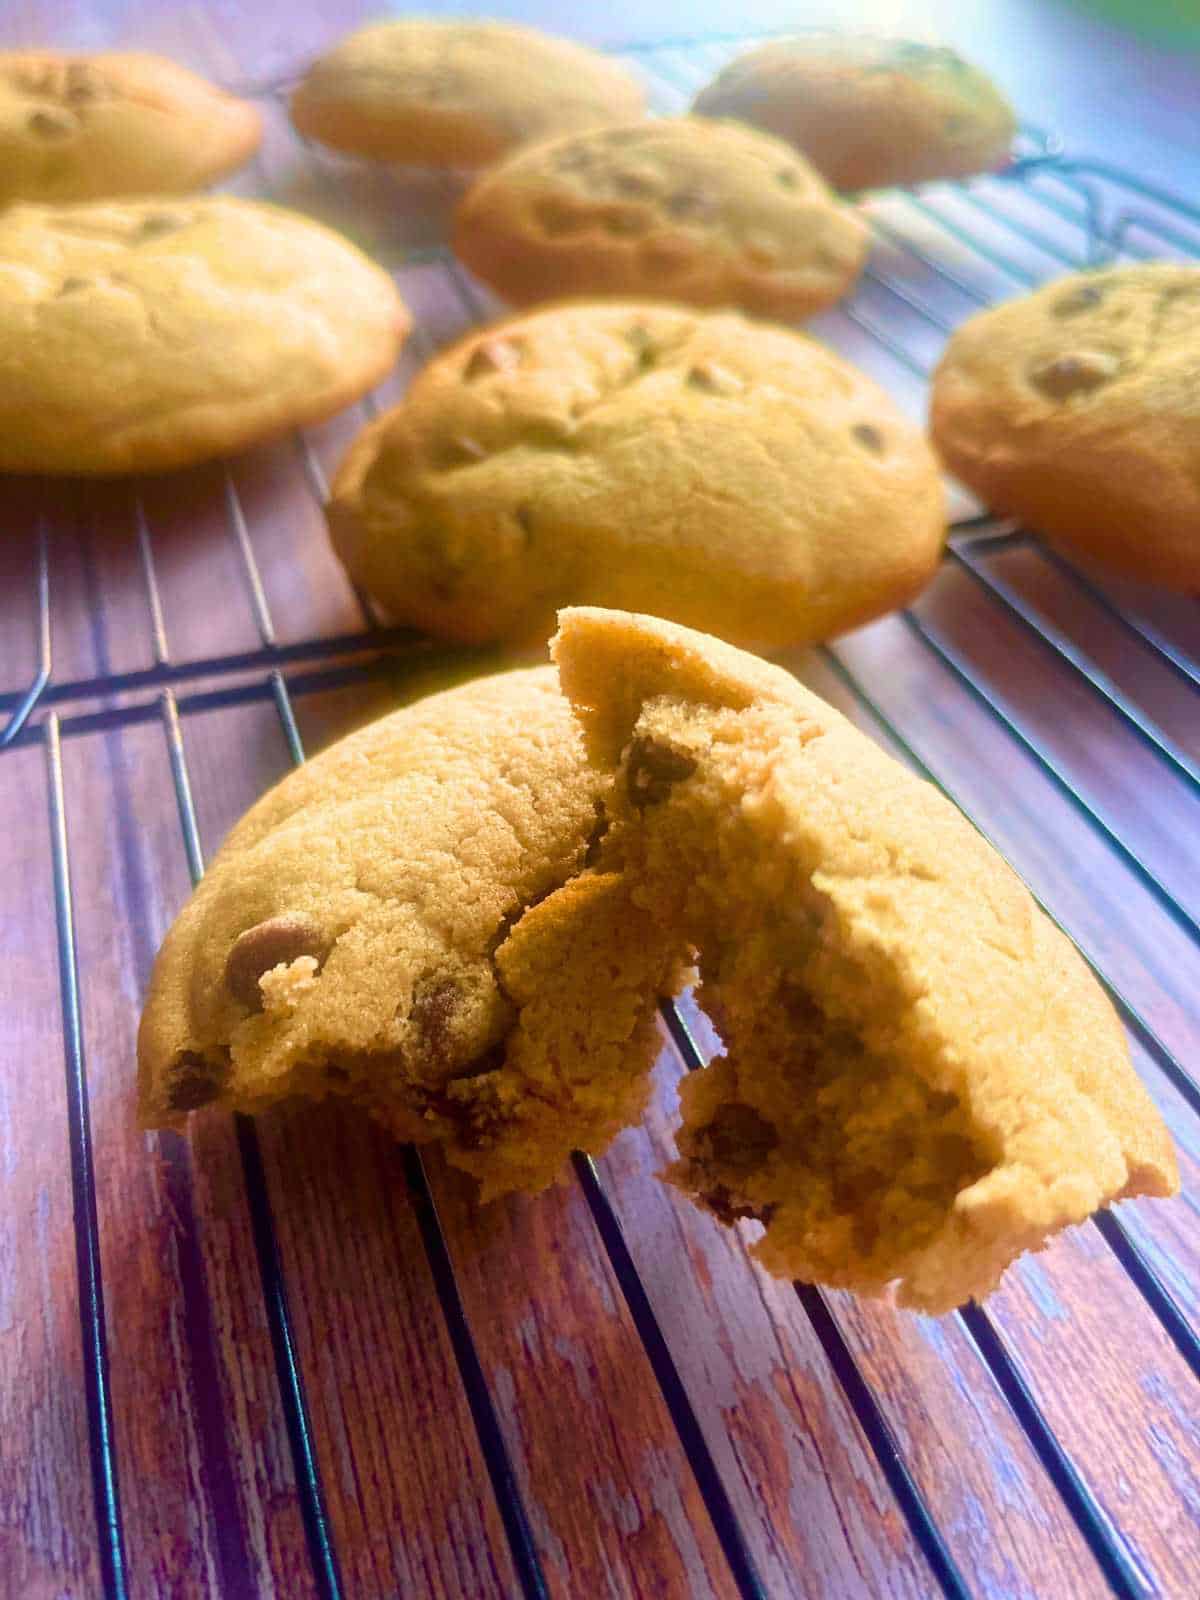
[(921, 1078), (145, 334), (730, 475), (406, 921), (679, 208), (95, 127), (1077, 409), (457, 93), (868, 110)]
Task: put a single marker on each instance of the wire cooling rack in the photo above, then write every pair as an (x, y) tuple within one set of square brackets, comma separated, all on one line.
[(1024, 648)]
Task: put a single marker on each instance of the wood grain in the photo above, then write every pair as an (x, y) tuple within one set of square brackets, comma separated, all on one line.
[(208, 1482)]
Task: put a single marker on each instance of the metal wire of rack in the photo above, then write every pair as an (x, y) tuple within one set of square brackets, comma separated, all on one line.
[(1001, 235)]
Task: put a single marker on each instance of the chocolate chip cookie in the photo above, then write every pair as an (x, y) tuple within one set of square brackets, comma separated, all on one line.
[(408, 921), (449, 93), (680, 208), (94, 127), (868, 110), (146, 334), (921, 1079), (1077, 409), (730, 475)]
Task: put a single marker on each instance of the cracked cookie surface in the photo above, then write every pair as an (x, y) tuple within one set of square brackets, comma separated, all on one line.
[(683, 208), (452, 93), (921, 1079), (93, 127), (868, 110), (141, 335), (1077, 409), (406, 921), (733, 476)]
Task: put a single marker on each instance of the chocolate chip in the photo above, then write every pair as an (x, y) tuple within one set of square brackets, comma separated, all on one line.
[(596, 838), (786, 177), (869, 437), (50, 125), (709, 378), (523, 516), (650, 771), (194, 1081), (82, 83), (1068, 375), (1082, 299), (157, 224), (433, 1005), (276, 942), (688, 203), (642, 346), (492, 355), (738, 1137), (73, 285), (635, 183)]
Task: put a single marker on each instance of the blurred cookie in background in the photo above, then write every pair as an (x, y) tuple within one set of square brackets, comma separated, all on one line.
[(94, 127), (867, 110), (457, 93)]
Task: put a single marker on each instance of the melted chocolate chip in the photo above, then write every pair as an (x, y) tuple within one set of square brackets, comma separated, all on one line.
[(157, 224), (651, 770), (868, 436), (1078, 374), (194, 1081), (433, 1005), (1085, 298), (50, 125), (276, 942)]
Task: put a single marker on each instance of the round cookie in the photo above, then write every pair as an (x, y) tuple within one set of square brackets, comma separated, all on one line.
[(921, 1078), (141, 335), (94, 127), (402, 922), (867, 110), (447, 93), (731, 475), (679, 208), (1077, 409)]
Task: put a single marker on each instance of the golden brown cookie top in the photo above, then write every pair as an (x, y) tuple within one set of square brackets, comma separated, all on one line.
[(597, 450), (140, 334), (868, 109), (709, 212), (457, 93), (85, 127), (1082, 351)]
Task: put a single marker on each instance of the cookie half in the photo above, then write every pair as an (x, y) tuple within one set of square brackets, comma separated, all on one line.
[(1075, 408), (447, 93), (93, 127), (730, 475), (921, 1078), (867, 110), (141, 335), (406, 921), (680, 208)]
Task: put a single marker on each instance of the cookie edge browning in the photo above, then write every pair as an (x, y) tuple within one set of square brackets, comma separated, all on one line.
[(1015, 1206)]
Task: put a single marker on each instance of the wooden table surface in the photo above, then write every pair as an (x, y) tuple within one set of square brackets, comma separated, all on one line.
[(325, 1369)]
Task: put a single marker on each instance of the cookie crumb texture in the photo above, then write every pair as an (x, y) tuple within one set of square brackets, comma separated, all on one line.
[(406, 922), (867, 110), (457, 94), (921, 1078), (94, 127), (142, 335), (1077, 409), (735, 477), (680, 208)]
